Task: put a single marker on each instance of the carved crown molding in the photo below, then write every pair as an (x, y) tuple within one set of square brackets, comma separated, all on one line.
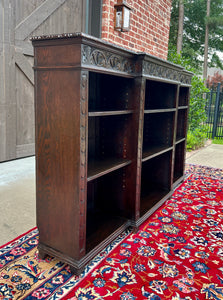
[(96, 53), (156, 70), (106, 59), (185, 79)]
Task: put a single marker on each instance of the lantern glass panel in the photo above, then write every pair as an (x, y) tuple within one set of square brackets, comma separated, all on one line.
[(126, 18)]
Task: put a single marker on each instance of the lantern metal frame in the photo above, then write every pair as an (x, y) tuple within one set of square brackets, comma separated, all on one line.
[(122, 16)]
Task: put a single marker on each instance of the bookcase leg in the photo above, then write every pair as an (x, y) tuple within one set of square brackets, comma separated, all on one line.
[(76, 271), (41, 254), (134, 228)]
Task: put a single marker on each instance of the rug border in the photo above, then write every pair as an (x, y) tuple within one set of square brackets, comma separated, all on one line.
[(202, 166)]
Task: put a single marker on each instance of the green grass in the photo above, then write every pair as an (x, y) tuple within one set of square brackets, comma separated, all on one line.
[(217, 141), (196, 138)]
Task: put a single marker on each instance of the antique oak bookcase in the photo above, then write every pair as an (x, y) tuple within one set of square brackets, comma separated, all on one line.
[(110, 141)]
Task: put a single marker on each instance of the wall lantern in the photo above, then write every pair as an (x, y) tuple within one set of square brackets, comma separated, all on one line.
[(122, 16)]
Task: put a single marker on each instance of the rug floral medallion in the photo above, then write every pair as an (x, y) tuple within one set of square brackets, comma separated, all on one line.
[(176, 254)]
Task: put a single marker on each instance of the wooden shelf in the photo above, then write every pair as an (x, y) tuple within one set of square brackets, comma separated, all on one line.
[(154, 111), (99, 168), (182, 107), (109, 113), (154, 151), (180, 140)]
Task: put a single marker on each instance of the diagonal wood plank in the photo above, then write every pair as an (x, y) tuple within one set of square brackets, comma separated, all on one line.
[(25, 47), (36, 18), (24, 66)]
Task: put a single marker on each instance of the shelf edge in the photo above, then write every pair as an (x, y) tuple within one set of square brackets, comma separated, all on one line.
[(109, 170), (109, 113), (157, 154)]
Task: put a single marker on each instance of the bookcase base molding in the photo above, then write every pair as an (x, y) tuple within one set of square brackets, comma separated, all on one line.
[(110, 141), (77, 266)]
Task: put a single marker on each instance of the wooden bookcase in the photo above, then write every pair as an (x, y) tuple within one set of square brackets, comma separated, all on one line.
[(110, 141)]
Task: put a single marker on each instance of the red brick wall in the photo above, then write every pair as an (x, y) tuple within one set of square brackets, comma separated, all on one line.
[(149, 26)]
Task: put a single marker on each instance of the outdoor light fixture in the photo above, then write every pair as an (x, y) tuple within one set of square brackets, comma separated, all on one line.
[(122, 16)]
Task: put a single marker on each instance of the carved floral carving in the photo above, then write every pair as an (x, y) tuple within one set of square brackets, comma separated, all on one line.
[(114, 62), (83, 158), (98, 58), (185, 79), (106, 60), (152, 69)]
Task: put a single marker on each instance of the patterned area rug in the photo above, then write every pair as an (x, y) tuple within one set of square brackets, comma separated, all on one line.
[(177, 254)]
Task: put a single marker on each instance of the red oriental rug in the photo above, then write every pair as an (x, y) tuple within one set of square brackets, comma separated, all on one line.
[(177, 254)]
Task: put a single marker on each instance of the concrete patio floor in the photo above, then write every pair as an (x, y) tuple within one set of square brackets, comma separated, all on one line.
[(17, 190), (17, 198), (210, 156)]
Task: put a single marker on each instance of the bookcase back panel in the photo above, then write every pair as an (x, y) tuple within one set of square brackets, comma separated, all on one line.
[(183, 96), (179, 162), (108, 137), (160, 95), (181, 124), (105, 206), (109, 92), (155, 180), (158, 130)]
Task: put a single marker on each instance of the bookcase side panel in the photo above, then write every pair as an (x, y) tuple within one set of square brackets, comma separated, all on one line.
[(67, 53), (58, 160)]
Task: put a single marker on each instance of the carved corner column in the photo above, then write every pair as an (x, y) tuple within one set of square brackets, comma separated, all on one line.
[(83, 158)]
